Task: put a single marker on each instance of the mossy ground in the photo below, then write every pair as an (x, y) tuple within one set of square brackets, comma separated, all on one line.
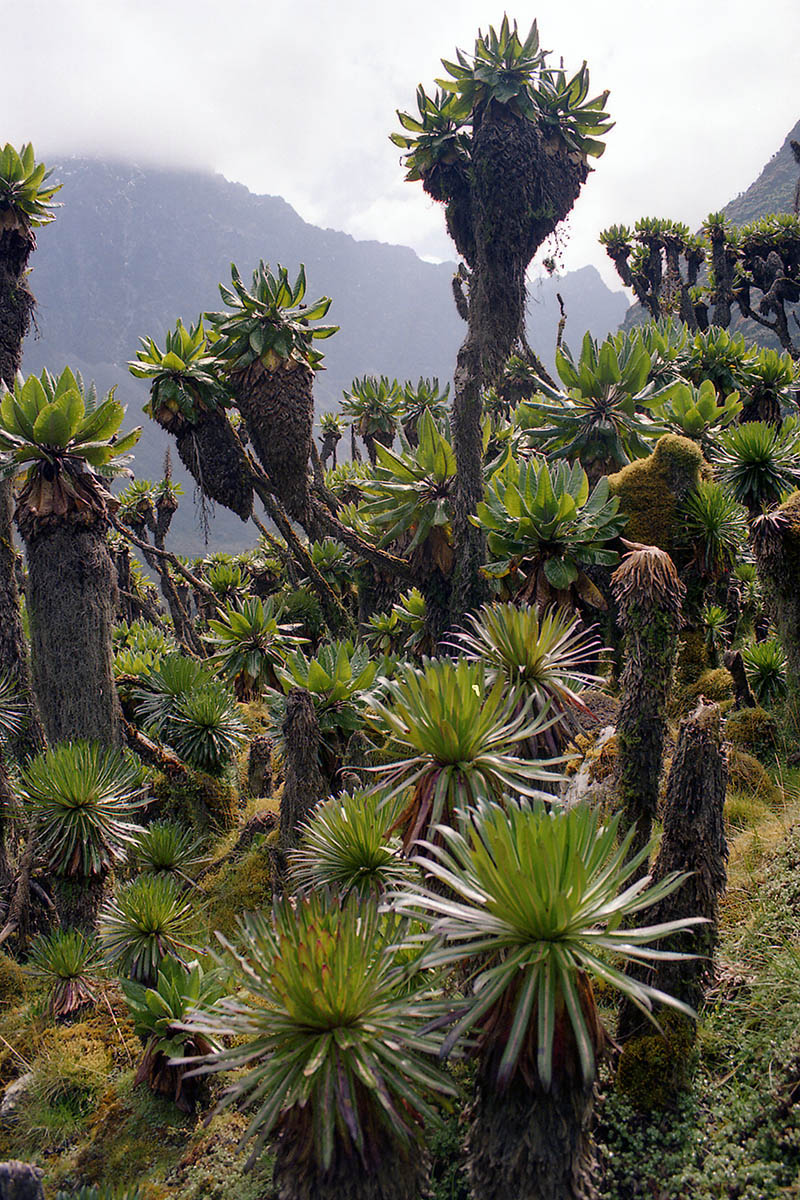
[(722, 1125)]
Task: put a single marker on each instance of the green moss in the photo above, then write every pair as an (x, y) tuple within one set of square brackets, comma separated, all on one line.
[(753, 730), (207, 802), (649, 490), (715, 684), (746, 774), (240, 886), (653, 1069), (12, 981), (744, 811)]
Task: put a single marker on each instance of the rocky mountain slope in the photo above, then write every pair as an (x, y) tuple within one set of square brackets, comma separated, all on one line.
[(133, 249)]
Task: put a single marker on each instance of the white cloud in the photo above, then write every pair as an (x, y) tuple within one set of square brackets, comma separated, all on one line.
[(298, 99)]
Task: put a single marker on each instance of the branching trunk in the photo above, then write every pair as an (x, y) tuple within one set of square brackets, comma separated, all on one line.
[(521, 185)]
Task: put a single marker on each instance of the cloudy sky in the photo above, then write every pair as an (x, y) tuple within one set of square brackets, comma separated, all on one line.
[(297, 99)]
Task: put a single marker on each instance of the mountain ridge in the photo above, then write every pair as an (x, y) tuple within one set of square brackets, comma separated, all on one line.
[(134, 248)]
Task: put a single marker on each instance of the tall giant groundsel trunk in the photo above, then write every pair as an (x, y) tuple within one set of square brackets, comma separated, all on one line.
[(16, 306), (304, 784), (776, 544), (649, 594), (522, 184), (278, 408), (693, 841), (532, 1144), (72, 599)]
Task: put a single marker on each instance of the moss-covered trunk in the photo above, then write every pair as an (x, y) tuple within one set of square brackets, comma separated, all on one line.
[(649, 595), (776, 544), (72, 597), (693, 841), (214, 456), (520, 187)]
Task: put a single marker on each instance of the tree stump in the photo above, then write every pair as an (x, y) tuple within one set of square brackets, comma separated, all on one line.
[(20, 1181)]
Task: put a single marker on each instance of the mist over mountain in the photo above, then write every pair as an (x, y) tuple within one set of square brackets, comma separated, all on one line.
[(133, 249)]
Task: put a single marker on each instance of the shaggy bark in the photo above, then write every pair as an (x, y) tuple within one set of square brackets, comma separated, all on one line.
[(776, 545), (693, 840), (259, 766), (742, 690), (16, 308), (530, 1143), (278, 409), (212, 453), (521, 185), (649, 595), (72, 598), (304, 784), (389, 1172), (77, 900)]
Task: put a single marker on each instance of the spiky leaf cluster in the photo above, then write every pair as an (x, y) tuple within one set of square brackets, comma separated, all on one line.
[(598, 418), (57, 434), (455, 739), (344, 848), (412, 492), (68, 964), (184, 378), (26, 197), (539, 903), (183, 704), (542, 517), (544, 655), (159, 1012), (143, 923), (326, 1036), (80, 797), (270, 323), (248, 644)]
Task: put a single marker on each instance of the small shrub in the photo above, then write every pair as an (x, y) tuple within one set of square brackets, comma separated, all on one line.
[(753, 730), (746, 774), (654, 1069)]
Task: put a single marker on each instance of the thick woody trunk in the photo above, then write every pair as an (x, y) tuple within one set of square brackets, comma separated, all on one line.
[(16, 307), (532, 1144), (520, 187), (303, 785), (649, 595), (72, 598), (693, 840), (214, 456), (278, 409), (77, 899)]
